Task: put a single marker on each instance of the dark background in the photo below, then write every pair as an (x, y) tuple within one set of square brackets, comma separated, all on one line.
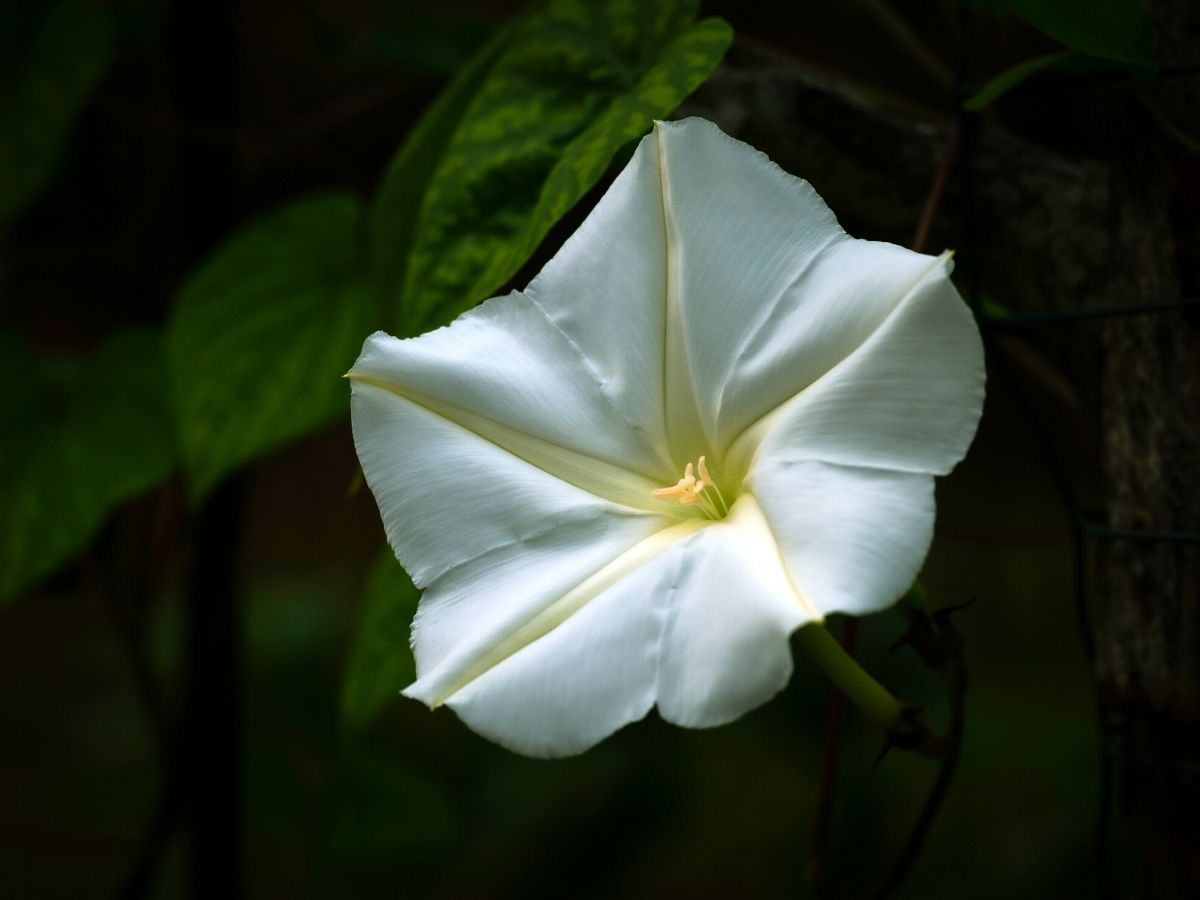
[(213, 111)]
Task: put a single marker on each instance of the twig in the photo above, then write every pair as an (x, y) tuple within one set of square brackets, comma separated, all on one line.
[(911, 43), (1068, 316), (934, 198), (956, 676), (125, 580)]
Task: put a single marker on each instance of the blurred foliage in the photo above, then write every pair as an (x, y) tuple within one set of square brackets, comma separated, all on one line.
[(261, 332), (407, 801), (75, 446), (1105, 35), (381, 662), (1118, 30), (45, 86), (1011, 77), (410, 38), (263, 329)]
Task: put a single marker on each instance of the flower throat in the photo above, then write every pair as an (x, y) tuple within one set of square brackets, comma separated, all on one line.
[(701, 492)]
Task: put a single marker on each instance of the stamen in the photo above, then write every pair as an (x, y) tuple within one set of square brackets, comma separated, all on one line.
[(693, 491)]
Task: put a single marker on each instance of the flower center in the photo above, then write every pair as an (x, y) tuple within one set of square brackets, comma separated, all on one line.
[(701, 492)]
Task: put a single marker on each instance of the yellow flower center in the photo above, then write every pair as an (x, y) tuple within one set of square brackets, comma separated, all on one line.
[(701, 492)]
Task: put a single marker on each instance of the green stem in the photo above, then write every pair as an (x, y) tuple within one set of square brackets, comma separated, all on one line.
[(871, 698)]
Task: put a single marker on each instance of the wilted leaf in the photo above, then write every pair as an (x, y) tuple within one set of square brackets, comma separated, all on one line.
[(262, 333), (73, 454)]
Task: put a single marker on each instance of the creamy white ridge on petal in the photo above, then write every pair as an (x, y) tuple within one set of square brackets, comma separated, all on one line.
[(711, 419)]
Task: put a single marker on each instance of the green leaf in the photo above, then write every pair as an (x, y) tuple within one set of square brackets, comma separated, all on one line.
[(263, 331), (76, 452), (410, 37), (574, 82), (381, 662), (1010, 78), (1118, 30), (40, 101), (393, 214)]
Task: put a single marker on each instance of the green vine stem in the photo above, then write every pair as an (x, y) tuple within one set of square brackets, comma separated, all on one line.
[(879, 705)]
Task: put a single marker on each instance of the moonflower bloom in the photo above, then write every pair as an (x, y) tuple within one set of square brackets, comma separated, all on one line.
[(713, 418)]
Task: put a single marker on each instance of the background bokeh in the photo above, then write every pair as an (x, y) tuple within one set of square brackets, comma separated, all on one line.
[(204, 115)]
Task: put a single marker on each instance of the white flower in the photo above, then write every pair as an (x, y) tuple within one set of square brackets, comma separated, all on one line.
[(711, 419)]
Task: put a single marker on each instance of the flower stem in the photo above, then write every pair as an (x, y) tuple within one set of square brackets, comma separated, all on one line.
[(871, 698)]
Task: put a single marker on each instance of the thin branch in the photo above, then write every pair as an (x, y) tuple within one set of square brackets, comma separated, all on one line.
[(956, 676), (911, 43), (1055, 316), (938, 186)]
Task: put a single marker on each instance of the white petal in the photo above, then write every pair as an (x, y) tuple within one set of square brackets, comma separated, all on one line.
[(668, 281), (480, 614), (594, 666), (507, 372), (908, 398), (824, 315), (447, 496), (853, 539), (740, 232), (672, 281), (725, 649), (696, 618), (605, 292), (771, 294)]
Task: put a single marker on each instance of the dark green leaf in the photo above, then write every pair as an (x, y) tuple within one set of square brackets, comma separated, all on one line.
[(262, 333), (1118, 30), (40, 100), (393, 215), (78, 452), (411, 37), (23, 401), (574, 82), (1011, 77), (381, 662)]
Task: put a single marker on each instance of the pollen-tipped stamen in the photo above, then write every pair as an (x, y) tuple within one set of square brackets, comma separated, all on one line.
[(693, 491), (711, 482)]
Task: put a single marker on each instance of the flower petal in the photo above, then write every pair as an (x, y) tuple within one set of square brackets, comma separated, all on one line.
[(853, 539), (772, 294), (448, 496), (586, 666), (725, 647), (908, 398), (696, 618), (604, 292), (504, 371), (505, 605)]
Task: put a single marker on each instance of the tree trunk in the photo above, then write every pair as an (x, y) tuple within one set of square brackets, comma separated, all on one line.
[(1053, 232), (1148, 591)]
